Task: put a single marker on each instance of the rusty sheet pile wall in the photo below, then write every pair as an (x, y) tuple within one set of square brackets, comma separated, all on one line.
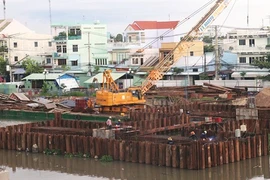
[(191, 155)]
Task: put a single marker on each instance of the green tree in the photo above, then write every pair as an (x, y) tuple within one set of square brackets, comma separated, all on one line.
[(263, 63), (118, 38), (96, 70), (3, 65), (208, 48), (243, 74), (31, 66), (207, 39)]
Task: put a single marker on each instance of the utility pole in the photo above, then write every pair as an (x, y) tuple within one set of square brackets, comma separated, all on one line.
[(9, 61), (204, 64), (216, 55), (4, 8), (50, 11), (89, 58)]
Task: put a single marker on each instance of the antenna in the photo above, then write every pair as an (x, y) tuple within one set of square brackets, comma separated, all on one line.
[(4, 7), (50, 11)]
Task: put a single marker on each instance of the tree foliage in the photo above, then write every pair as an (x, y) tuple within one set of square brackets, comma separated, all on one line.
[(3, 65), (208, 48), (118, 38), (31, 66), (207, 39), (263, 63)]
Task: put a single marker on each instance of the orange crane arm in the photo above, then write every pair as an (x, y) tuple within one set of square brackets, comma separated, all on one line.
[(181, 48), (108, 82)]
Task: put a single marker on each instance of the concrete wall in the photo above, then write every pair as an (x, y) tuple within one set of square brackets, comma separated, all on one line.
[(4, 175)]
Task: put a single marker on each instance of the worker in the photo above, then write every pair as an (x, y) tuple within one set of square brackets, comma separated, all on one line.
[(203, 135), (109, 123), (193, 136), (118, 124), (170, 141)]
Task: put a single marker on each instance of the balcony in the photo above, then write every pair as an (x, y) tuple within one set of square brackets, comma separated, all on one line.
[(64, 38), (60, 38), (76, 37)]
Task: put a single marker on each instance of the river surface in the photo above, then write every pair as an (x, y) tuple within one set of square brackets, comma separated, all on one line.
[(28, 166)]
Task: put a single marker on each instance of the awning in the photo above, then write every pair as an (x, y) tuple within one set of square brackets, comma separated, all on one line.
[(19, 71), (249, 74), (99, 77)]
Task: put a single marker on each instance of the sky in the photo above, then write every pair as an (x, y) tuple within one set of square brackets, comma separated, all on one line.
[(117, 14)]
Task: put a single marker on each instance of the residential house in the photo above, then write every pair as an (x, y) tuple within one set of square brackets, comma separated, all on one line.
[(249, 45), (56, 82), (18, 43), (141, 42), (80, 46)]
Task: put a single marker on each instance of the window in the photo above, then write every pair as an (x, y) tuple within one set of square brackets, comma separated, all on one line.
[(75, 48), (251, 42), (78, 32), (48, 60), (195, 70), (191, 53), (251, 60), (15, 58), (102, 61), (135, 60), (62, 62), (166, 53), (15, 44), (242, 42), (268, 40), (74, 63), (64, 49), (50, 44), (242, 59), (72, 32), (36, 44), (59, 49)]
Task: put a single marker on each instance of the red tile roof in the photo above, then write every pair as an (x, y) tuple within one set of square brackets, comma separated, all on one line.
[(143, 25)]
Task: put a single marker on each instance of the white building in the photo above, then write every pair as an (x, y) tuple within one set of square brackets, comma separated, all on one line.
[(79, 46), (249, 45), (22, 42), (147, 35)]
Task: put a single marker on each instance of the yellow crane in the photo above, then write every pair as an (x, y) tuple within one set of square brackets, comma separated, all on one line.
[(110, 98)]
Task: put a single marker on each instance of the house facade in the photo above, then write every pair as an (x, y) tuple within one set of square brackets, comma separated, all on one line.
[(80, 46), (141, 42), (249, 45)]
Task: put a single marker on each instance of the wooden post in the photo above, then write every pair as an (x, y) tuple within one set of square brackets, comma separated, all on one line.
[(208, 156), (248, 148), (202, 154), (116, 150), (154, 153), (40, 143), (231, 151), (259, 145), (237, 150), (62, 142), (175, 157), (148, 153), (68, 143), (122, 150), (181, 156), (135, 149), (168, 156), (29, 141), (92, 147), (161, 154), (45, 141), (142, 152)]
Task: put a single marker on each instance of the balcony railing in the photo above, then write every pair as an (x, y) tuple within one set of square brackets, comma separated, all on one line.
[(74, 37), (64, 38)]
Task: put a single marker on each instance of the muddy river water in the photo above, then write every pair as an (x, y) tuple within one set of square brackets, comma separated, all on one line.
[(27, 166)]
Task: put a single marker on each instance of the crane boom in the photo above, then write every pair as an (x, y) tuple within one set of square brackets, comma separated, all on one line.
[(181, 48)]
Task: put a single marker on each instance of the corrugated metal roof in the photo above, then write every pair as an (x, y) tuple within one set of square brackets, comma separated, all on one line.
[(42, 100), (20, 96), (99, 77), (41, 76)]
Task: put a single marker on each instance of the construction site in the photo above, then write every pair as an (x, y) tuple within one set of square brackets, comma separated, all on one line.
[(189, 127)]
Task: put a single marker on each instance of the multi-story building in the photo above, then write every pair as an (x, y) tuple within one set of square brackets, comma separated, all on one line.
[(80, 46), (147, 35), (19, 42), (249, 45)]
